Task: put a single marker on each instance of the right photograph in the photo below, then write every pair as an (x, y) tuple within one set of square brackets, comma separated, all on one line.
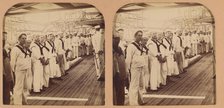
[(163, 54)]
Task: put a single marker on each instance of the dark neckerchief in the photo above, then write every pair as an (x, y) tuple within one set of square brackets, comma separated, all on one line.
[(170, 43), (24, 51), (138, 47), (157, 45), (40, 47), (161, 43), (44, 46), (63, 46), (181, 44), (52, 45), (147, 50)]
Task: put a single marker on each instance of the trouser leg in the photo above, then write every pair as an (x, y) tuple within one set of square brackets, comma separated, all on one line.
[(119, 87), (46, 76), (179, 61), (19, 87), (61, 64), (163, 73), (6, 91), (87, 50), (134, 90)]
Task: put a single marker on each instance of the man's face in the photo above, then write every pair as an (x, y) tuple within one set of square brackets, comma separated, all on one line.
[(159, 37), (138, 37), (22, 39), (144, 41), (42, 39), (52, 38), (171, 35), (27, 44), (167, 34), (37, 39), (154, 36)]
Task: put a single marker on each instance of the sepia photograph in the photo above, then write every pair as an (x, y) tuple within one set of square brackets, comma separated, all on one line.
[(53, 54), (163, 54)]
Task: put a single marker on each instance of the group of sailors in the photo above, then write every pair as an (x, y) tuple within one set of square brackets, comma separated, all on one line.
[(148, 63), (33, 64)]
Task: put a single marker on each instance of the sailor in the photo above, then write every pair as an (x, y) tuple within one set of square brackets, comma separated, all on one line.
[(146, 73), (75, 45), (82, 44), (87, 43), (194, 43), (29, 75), (135, 62), (60, 50), (211, 39), (71, 47), (178, 49), (37, 62), (98, 41), (46, 67), (68, 47), (188, 45), (163, 62), (154, 53), (20, 65), (54, 66), (207, 41)]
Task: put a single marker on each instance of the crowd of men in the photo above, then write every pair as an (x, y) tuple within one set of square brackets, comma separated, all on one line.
[(33, 64), (148, 63)]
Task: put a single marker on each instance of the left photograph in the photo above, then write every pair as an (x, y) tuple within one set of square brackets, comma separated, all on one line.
[(53, 54)]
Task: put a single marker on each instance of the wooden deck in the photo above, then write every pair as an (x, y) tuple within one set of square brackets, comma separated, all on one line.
[(197, 82), (80, 83)]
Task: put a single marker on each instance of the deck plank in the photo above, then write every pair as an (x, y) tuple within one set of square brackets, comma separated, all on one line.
[(81, 82), (197, 81)]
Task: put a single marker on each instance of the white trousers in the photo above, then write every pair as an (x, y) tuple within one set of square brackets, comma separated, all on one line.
[(46, 75), (170, 65), (146, 74), (163, 72), (20, 86), (155, 75), (87, 49), (29, 79), (135, 89), (194, 49), (76, 51), (37, 76), (97, 64), (207, 47)]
